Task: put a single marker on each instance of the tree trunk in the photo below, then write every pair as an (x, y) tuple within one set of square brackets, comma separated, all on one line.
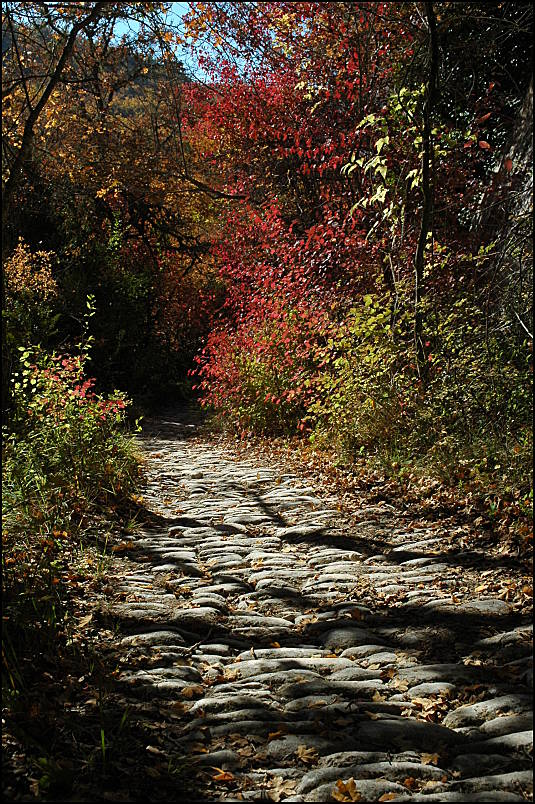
[(427, 188)]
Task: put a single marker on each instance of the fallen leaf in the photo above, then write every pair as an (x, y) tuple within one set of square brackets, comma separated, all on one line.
[(118, 548), (282, 787), (274, 644), (377, 697), (197, 748), (222, 775), (231, 675), (346, 791), (307, 755), (429, 759), (152, 749), (372, 715), (387, 797), (85, 620), (189, 692), (401, 684), (410, 782), (273, 735)]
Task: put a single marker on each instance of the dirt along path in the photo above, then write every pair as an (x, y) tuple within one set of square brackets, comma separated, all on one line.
[(283, 661)]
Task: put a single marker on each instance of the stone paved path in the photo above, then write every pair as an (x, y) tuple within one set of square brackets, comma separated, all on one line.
[(265, 640)]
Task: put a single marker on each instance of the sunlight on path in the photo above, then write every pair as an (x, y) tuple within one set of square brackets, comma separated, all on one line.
[(289, 664)]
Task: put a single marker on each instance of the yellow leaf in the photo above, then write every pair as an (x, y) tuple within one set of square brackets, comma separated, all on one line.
[(377, 697)]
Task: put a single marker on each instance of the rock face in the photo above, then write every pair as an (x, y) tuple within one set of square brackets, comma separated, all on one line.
[(289, 662)]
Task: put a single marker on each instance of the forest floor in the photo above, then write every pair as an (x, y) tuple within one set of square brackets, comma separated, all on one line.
[(268, 632)]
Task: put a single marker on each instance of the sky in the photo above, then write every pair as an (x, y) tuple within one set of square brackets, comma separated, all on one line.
[(175, 14)]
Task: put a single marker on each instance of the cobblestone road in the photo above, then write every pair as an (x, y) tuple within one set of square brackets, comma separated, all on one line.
[(291, 666)]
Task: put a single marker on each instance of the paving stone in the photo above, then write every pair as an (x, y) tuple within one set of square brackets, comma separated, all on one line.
[(303, 652), (477, 713), (279, 750), (454, 673), (225, 759), (431, 688), (508, 724), (447, 796), (154, 638), (369, 789), (491, 606), (486, 764), (517, 741), (341, 638), (402, 734), (502, 781), (232, 702), (201, 616), (364, 651)]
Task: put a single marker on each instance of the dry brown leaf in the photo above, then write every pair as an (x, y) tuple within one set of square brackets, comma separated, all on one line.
[(85, 620), (423, 703), (372, 715), (180, 706), (275, 644), (197, 748), (377, 697), (189, 692), (429, 759), (282, 787), (346, 791), (307, 755), (400, 684), (231, 675), (118, 548), (222, 775), (273, 735), (410, 782), (387, 797)]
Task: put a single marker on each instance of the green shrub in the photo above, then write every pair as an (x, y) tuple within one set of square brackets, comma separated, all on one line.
[(66, 458)]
